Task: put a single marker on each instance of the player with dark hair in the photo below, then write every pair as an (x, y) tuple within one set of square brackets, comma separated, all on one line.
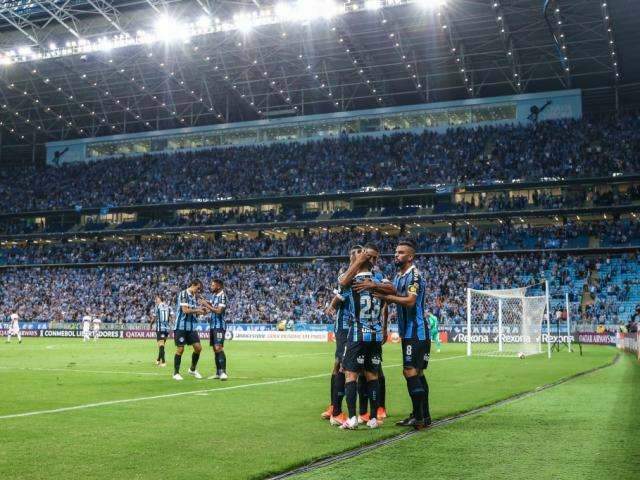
[(339, 308), (410, 289), (363, 351), (160, 319), (187, 309), (217, 306)]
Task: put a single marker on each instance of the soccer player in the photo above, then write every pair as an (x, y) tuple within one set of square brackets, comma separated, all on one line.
[(338, 307), (96, 327), (413, 330), (160, 319), (86, 326), (363, 350), (217, 306), (434, 333), (14, 328), (187, 309)]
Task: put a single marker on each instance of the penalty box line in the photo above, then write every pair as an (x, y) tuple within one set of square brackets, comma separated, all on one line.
[(438, 423), (178, 394)]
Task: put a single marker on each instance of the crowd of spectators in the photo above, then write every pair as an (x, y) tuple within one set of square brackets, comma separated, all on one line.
[(324, 243), (553, 149), (274, 292)]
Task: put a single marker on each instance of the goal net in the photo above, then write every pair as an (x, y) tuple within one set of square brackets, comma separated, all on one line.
[(504, 322)]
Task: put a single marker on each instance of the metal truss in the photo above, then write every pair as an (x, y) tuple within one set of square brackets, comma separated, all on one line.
[(393, 56)]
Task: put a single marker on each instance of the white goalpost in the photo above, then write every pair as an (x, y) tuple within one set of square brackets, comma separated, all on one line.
[(506, 322)]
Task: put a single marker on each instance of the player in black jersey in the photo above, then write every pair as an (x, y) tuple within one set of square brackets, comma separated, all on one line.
[(160, 318)]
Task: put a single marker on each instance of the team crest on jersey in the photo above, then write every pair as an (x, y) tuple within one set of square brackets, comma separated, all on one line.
[(376, 360), (360, 359), (413, 288)]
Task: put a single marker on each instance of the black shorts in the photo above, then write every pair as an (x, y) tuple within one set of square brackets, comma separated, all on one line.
[(216, 336), (185, 337), (162, 335), (341, 342), (362, 356), (415, 353)]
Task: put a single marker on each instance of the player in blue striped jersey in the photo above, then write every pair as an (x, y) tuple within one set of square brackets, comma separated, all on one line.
[(188, 307), (363, 351), (160, 319), (409, 296), (217, 307), (339, 309)]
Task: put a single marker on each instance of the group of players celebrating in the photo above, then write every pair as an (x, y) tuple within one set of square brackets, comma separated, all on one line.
[(191, 303), (361, 306)]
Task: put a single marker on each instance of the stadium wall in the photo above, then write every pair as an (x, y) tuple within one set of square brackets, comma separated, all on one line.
[(559, 105)]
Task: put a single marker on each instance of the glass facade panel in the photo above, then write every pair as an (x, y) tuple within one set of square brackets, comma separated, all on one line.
[(321, 128)]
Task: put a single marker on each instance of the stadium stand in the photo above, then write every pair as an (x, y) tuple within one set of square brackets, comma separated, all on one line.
[(484, 155)]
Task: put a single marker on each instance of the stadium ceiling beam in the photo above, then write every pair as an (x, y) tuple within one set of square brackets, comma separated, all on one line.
[(406, 55), (259, 67), (361, 63), (206, 7), (456, 49), (554, 21), (20, 24), (611, 43), (311, 71), (62, 15), (31, 94), (109, 12), (515, 77)]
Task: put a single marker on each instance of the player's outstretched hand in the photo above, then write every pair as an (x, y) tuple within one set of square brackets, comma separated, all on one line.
[(362, 257), (364, 285), (381, 296)]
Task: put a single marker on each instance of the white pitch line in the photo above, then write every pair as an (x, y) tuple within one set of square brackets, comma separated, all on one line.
[(180, 394), (71, 370), (302, 355)]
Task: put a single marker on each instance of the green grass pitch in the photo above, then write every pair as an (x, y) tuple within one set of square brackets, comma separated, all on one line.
[(74, 410)]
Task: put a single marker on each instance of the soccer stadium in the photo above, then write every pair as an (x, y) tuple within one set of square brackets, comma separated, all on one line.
[(319, 239)]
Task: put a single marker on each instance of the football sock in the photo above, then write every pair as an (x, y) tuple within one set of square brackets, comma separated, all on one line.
[(216, 356), (222, 360), (162, 357), (176, 363), (332, 395), (339, 391), (194, 360), (351, 393), (425, 408), (416, 392), (382, 397), (373, 387), (362, 395)]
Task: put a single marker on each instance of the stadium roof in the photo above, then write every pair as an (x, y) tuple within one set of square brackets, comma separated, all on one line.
[(84, 68)]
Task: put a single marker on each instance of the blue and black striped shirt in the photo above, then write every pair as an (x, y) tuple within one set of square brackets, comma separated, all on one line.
[(162, 313), (186, 321), (411, 321), (343, 319), (365, 312), (216, 320)]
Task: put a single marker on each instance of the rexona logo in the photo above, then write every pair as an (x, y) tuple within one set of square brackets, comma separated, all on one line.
[(461, 337)]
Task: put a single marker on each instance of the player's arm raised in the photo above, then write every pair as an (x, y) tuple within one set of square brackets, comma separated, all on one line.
[(335, 303), (382, 288), (406, 301), (347, 277)]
